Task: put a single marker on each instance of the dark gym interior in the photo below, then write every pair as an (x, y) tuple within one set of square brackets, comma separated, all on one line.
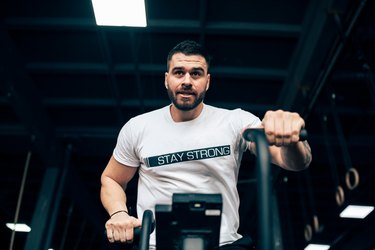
[(67, 87)]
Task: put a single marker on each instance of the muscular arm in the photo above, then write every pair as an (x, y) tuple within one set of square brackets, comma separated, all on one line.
[(114, 179), (294, 157)]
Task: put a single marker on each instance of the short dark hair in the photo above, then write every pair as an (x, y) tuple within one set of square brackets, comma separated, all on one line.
[(189, 47)]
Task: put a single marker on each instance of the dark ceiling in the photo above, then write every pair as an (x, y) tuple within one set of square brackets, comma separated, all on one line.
[(67, 87)]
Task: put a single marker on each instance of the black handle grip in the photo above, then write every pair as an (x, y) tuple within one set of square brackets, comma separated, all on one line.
[(148, 225), (248, 135), (303, 135), (137, 232)]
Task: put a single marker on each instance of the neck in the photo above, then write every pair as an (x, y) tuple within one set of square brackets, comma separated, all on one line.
[(184, 116)]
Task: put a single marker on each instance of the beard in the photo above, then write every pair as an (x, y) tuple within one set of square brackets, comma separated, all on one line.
[(184, 105)]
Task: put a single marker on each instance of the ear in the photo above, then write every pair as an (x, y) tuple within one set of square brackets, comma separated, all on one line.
[(165, 80), (208, 81)]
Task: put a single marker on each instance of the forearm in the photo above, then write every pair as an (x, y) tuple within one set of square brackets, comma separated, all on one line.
[(112, 195), (296, 157)]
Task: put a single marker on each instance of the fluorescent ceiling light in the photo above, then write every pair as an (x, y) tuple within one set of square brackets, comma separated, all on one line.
[(356, 212), (317, 247), (120, 12), (19, 227)]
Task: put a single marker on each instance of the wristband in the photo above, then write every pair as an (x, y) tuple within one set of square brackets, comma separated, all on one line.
[(120, 211)]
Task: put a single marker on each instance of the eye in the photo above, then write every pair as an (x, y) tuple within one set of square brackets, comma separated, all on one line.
[(178, 72), (196, 73)]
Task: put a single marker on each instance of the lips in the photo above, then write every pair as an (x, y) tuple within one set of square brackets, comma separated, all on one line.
[(185, 93)]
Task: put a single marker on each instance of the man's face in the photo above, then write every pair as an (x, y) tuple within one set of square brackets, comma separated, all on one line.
[(187, 80)]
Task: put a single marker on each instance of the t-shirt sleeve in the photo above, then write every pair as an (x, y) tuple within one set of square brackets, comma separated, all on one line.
[(124, 151), (247, 120)]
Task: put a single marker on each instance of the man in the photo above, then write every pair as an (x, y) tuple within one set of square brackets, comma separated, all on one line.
[(191, 147)]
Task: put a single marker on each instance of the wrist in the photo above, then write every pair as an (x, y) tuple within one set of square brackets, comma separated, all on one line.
[(119, 211)]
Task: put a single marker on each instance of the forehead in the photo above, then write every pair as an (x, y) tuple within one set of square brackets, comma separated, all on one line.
[(188, 61)]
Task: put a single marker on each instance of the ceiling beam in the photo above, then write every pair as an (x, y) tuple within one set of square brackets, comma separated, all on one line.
[(319, 33), (137, 72), (161, 26), (151, 69), (25, 100), (345, 29), (112, 79), (29, 108)]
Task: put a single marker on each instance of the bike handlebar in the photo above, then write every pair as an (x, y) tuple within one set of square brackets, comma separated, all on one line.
[(248, 135), (265, 224)]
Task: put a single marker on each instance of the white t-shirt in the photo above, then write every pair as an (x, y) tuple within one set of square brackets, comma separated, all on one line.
[(198, 156)]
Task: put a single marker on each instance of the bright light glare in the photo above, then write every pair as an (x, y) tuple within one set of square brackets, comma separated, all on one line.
[(120, 12), (19, 227), (316, 247), (356, 212)]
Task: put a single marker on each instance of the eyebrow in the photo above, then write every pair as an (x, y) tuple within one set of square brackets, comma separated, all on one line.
[(193, 69)]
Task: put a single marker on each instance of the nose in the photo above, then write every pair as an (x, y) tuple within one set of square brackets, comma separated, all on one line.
[(186, 80)]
